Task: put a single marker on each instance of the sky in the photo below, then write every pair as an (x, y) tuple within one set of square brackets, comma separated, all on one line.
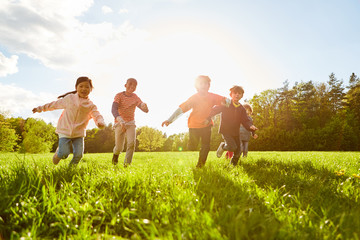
[(45, 45)]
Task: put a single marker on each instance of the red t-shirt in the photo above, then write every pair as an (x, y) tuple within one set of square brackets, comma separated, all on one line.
[(127, 105), (201, 106)]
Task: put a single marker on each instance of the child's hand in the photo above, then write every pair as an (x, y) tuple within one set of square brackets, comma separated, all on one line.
[(226, 102), (255, 136), (35, 110), (166, 123), (206, 122), (253, 128), (101, 125), (144, 107)]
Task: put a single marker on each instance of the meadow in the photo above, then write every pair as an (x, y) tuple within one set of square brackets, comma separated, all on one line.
[(270, 195)]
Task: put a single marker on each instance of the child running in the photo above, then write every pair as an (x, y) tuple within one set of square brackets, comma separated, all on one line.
[(123, 110), (244, 133), (201, 104), (71, 127), (231, 118)]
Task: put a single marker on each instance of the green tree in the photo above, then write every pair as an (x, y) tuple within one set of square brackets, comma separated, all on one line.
[(352, 107), (100, 140), (180, 142), (336, 93), (306, 105), (18, 125), (39, 137), (150, 139), (8, 136), (352, 98), (169, 141)]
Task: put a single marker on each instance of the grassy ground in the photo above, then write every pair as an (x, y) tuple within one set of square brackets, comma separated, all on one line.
[(271, 195)]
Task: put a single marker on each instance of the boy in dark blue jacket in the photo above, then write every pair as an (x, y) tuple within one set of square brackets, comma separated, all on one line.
[(231, 119)]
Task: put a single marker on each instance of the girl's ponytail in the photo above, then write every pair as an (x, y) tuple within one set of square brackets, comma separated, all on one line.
[(62, 96), (78, 81)]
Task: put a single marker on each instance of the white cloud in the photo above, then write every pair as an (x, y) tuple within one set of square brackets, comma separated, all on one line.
[(106, 9), (8, 65), (123, 10), (51, 32), (20, 102)]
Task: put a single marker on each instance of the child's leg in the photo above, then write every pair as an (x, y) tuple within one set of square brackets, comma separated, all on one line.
[(194, 138), (119, 140), (205, 135), (119, 144), (130, 145), (63, 150), (228, 145), (78, 150), (246, 147), (241, 147), (234, 160)]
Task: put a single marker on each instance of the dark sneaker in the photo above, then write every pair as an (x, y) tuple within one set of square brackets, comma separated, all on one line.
[(56, 158), (220, 150), (115, 159)]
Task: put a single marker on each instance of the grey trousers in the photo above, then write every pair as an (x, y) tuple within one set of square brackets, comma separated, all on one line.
[(120, 135)]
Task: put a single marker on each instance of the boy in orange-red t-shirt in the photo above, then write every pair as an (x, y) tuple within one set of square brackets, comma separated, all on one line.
[(123, 110), (201, 104)]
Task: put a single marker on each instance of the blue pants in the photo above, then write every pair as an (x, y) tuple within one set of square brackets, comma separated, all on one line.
[(232, 144), (244, 145), (65, 148)]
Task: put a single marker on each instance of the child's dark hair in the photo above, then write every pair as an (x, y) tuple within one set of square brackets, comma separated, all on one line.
[(78, 81), (247, 106), (131, 80), (237, 89)]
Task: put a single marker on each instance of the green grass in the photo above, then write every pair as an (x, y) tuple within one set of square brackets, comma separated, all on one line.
[(271, 195)]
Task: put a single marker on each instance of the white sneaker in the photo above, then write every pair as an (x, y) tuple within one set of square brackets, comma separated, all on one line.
[(220, 150)]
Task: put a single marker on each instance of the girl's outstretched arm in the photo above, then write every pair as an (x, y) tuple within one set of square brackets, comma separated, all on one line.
[(98, 118), (59, 104)]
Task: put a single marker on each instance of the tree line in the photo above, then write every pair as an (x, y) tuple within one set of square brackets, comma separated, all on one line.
[(305, 117)]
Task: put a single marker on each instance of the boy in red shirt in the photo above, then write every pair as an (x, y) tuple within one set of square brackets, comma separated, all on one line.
[(201, 104), (123, 110)]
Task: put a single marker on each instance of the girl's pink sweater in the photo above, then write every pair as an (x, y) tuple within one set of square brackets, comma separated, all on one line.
[(76, 115)]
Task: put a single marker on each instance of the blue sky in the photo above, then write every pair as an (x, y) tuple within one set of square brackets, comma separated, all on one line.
[(45, 45)]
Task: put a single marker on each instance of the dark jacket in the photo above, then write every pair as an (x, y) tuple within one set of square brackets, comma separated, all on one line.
[(231, 118)]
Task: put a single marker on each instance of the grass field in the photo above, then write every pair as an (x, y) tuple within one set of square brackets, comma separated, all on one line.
[(271, 195)]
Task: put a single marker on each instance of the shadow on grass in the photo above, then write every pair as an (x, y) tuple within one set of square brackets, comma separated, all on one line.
[(236, 211), (329, 198)]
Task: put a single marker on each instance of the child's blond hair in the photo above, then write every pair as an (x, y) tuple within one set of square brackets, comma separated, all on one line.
[(202, 78), (247, 106)]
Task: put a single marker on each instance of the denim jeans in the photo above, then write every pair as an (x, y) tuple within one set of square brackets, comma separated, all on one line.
[(244, 146), (203, 134), (65, 148), (120, 142)]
